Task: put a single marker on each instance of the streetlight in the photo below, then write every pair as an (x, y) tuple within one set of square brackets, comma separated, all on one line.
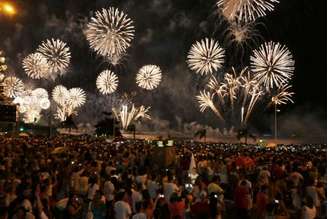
[(8, 8)]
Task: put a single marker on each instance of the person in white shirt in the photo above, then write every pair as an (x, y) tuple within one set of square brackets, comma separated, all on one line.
[(109, 189), (136, 197), (93, 188), (152, 187), (169, 188), (122, 209)]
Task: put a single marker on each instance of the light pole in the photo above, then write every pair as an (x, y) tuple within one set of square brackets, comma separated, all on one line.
[(7, 9), (275, 121)]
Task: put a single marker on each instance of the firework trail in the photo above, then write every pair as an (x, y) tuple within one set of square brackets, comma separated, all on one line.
[(127, 113)]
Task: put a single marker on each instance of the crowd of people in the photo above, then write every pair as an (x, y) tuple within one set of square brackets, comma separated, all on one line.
[(87, 177)]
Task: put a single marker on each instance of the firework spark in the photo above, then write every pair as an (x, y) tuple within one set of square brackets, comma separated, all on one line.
[(13, 87), (67, 101), (60, 94), (205, 100), (57, 54), (128, 113), (205, 56), (107, 82), (149, 77), (40, 93), (283, 96), (237, 90), (245, 10), (35, 66), (77, 97), (110, 32), (232, 85), (272, 64), (31, 103)]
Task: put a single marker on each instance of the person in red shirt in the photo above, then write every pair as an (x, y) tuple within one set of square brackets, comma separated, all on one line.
[(243, 200), (262, 200), (201, 209), (177, 207)]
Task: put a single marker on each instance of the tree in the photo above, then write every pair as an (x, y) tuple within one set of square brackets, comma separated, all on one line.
[(108, 126)]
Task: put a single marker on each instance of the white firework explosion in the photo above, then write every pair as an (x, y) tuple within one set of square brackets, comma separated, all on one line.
[(205, 56), (31, 116), (107, 82), (272, 64), (35, 66), (67, 101), (110, 32), (245, 10), (60, 94), (149, 77), (40, 93), (31, 103), (283, 95), (58, 56), (77, 97), (128, 113), (13, 87), (44, 103)]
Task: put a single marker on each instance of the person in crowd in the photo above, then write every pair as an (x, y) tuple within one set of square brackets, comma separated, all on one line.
[(67, 177), (309, 210), (122, 209)]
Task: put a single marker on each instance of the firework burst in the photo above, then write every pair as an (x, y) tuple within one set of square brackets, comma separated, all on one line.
[(57, 54), (110, 32), (128, 113), (13, 87), (149, 77), (107, 82), (67, 101), (31, 103), (77, 97), (272, 64), (60, 94), (35, 66), (205, 56), (245, 10), (283, 96)]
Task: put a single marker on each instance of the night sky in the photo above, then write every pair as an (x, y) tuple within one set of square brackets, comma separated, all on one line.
[(165, 30)]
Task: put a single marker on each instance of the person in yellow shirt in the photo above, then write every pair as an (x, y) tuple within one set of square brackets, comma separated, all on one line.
[(214, 186)]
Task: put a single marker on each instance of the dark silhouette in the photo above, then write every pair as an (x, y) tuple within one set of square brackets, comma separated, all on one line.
[(200, 134), (108, 126), (244, 133)]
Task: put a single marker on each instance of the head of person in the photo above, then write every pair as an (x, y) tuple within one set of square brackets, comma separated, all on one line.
[(139, 206), (309, 201), (174, 198)]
